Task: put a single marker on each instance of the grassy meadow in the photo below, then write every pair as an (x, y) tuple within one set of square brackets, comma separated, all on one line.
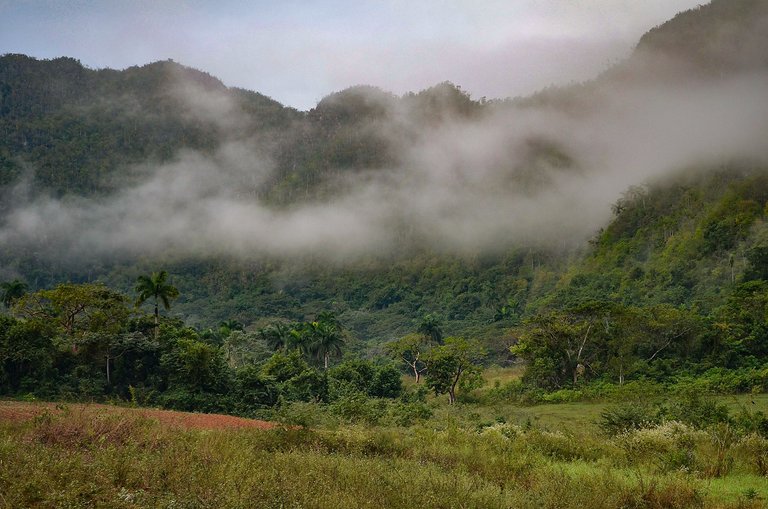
[(471, 455)]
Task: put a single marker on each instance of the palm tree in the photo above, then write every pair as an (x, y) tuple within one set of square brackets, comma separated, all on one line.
[(277, 336), (155, 287), (228, 326), (301, 338), (329, 317), (12, 291), (327, 340)]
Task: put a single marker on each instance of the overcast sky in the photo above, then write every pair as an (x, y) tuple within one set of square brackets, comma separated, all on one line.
[(299, 51)]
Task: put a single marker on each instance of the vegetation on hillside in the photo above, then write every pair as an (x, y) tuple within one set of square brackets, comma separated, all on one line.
[(673, 284)]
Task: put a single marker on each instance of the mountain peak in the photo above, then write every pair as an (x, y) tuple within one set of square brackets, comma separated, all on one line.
[(722, 36)]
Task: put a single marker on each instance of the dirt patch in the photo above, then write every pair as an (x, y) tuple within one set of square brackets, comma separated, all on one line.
[(204, 421), (19, 411)]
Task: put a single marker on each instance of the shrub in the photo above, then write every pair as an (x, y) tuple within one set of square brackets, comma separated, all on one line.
[(629, 416), (504, 430), (387, 383), (357, 407), (561, 446), (697, 411), (299, 413), (755, 449), (671, 446), (409, 413)]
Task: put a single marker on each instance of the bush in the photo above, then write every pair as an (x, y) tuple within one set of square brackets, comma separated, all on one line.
[(184, 399), (357, 407), (626, 417), (409, 413), (671, 446), (387, 383), (697, 411), (299, 413), (755, 449), (562, 446)]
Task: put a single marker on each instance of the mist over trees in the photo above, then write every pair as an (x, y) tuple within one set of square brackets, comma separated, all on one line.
[(94, 157)]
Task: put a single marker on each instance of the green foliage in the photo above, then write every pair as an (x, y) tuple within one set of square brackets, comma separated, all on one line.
[(284, 366), (155, 287), (627, 417), (693, 409), (409, 350), (75, 309), (671, 290), (454, 362), (195, 365), (741, 326), (362, 376), (12, 291), (254, 390)]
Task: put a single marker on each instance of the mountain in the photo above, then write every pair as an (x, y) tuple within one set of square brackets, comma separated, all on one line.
[(385, 208), (718, 38)]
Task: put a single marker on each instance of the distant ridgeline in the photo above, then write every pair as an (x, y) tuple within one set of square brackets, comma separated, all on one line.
[(697, 242)]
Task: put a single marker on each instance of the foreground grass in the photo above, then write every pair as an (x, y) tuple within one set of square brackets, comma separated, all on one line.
[(119, 460)]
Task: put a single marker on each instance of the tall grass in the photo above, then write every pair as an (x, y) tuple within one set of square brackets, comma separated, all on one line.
[(121, 460)]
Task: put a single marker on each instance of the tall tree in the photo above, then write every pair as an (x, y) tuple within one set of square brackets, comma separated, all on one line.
[(327, 340), (452, 363), (410, 349), (155, 287), (277, 336), (12, 291), (76, 314)]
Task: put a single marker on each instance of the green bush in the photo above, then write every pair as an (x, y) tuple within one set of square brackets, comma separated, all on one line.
[(626, 417), (701, 412), (409, 413), (357, 407)]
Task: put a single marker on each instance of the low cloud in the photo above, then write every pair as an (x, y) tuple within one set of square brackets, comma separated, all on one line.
[(519, 175)]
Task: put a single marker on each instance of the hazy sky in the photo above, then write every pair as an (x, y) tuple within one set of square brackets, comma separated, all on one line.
[(299, 51)]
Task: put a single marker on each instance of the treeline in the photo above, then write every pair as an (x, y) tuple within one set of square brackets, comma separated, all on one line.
[(616, 343), (89, 342), (86, 341)]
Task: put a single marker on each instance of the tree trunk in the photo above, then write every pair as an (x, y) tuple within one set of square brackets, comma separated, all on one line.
[(452, 389), (416, 372), (325, 360), (108, 381), (157, 321)]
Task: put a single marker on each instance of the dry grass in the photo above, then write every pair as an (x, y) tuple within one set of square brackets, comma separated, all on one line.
[(16, 411)]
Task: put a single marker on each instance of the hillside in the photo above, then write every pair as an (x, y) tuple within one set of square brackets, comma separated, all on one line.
[(385, 209)]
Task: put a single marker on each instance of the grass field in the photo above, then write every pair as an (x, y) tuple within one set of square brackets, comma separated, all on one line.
[(99, 456)]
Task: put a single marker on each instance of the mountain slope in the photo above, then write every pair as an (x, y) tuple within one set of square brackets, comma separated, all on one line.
[(451, 183)]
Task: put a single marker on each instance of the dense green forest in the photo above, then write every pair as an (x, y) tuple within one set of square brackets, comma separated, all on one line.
[(675, 283)]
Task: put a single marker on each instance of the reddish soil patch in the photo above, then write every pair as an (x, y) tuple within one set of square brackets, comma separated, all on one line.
[(18, 411), (203, 421)]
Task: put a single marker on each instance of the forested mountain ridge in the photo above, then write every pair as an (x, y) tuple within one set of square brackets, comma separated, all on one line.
[(79, 128), (674, 239), (719, 37)]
